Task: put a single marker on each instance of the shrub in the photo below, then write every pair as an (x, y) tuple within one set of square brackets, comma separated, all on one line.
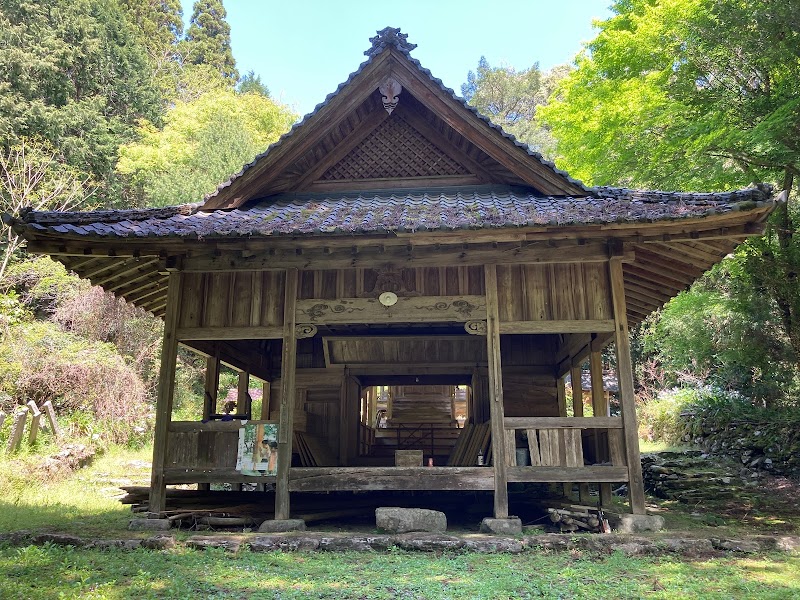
[(40, 362)]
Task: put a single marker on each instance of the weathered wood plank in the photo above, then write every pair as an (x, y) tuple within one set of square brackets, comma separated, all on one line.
[(213, 475), (270, 332), (321, 479), (589, 474), (533, 448), (562, 423), (47, 407), (17, 429), (574, 448), (626, 390), (560, 326), (511, 448)]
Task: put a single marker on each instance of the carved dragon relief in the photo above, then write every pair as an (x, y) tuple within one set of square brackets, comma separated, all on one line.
[(389, 280), (390, 94)]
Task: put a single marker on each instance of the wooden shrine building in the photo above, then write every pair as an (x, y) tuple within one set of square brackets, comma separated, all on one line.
[(402, 274)]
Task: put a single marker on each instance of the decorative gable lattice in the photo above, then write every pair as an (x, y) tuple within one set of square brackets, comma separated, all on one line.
[(394, 150)]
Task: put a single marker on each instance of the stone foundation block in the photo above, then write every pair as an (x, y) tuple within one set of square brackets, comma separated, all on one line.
[(282, 525), (627, 523), (509, 526), (149, 524), (404, 520)]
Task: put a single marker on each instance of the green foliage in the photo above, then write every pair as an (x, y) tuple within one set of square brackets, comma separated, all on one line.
[(208, 39), (512, 98), (202, 143), (723, 333), (40, 362), (73, 74)]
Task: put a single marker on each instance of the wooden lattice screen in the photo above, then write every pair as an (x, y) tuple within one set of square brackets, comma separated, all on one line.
[(394, 150)]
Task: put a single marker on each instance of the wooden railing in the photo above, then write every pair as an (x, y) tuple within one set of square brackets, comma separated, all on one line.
[(555, 446)]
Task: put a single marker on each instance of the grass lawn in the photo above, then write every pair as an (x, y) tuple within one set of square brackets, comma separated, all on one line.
[(54, 572), (85, 503)]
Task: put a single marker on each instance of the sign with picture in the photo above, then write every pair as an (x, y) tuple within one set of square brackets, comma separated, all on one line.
[(258, 449)]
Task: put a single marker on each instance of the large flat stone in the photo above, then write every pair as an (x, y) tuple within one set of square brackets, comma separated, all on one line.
[(628, 523), (509, 526), (405, 520), (282, 525)]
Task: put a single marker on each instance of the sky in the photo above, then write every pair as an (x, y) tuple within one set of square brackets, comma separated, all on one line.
[(303, 49)]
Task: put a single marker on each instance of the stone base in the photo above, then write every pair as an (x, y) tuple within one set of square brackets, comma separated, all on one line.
[(627, 523), (509, 526), (149, 524), (404, 520), (282, 526)]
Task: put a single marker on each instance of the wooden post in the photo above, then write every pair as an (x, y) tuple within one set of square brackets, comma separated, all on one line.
[(344, 391), (51, 418), (36, 417), (243, 400), (496, 409), (577, 391), (17, 429), (626, 395), (286, 421), (166, 390), (266, 387), (561, 396), (211, 387), (600, 409)]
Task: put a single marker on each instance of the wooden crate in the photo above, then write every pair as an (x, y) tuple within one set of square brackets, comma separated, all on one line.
[(408, 458)]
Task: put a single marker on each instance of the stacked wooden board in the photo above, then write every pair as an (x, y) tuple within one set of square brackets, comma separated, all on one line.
[(313, 451), (473, 441)]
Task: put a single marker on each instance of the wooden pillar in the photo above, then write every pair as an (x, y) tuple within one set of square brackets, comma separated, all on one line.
[(286, 422), (496, 410), (265, 396), (243, 400), (36, 417), (211, 387), (166, 390), (17, 429), (577, 391), (561, 396), (600, 409), (344, 417), (626, 395)]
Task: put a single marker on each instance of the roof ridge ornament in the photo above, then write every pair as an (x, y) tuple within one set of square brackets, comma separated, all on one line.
[(390, 94), (389, 36)]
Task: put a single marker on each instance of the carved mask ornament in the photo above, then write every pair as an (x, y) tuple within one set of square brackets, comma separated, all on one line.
[(390, 92)]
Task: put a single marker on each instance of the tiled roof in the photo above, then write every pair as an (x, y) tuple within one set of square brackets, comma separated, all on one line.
[(386, 38), (483, 207)]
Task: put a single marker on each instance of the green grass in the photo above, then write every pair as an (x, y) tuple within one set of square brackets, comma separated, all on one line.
[(50, 572), (85, 502)]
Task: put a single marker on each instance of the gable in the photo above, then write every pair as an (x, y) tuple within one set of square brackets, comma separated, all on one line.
[(392, 125), (394, 149)]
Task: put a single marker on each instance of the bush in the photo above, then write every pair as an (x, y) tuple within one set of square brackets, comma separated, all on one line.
[(40, 362)]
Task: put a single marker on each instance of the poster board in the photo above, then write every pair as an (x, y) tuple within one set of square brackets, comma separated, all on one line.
[(258, 449)]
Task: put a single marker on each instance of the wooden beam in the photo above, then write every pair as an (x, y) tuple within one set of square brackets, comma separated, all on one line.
[(571, 326), (328, 479), (562, 423), (588, 474), (415, 309), (166, 390), (626, 390), (496, 410), (230, 333), (288, 391), (406, 255)]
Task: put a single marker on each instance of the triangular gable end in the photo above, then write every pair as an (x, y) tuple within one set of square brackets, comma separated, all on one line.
[(391, 125)]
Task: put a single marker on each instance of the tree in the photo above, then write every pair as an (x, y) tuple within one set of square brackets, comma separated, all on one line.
[(73, 74), (511, 99), (202, 143), (208, 39), (695, 94), (32, 177), (159, 25), (251, 84)]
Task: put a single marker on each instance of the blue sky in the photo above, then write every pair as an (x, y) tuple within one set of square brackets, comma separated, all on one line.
[(303, 49)]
